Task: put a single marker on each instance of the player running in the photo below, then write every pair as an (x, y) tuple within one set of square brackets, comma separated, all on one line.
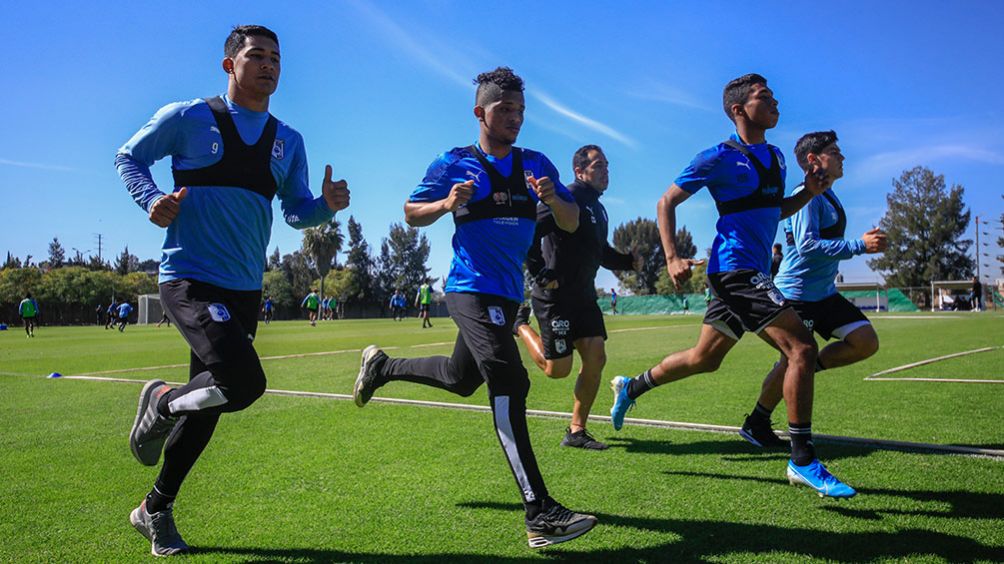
[(746, 178), (491, 189), (816, 245), (564, 267), (312, 303), (125, 308), (230, 159), (423, 301), (111, 314), (267, 309), (28, 310)]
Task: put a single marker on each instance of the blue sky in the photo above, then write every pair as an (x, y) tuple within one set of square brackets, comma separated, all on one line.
[(379, 88)]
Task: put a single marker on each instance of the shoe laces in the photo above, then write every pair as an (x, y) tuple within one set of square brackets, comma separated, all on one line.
[(162, 425), (163, 526), (558, 513)]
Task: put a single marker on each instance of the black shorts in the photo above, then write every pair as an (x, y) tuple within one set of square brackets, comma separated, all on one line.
[(743, 300), (218, 324), (830, 317), (424, 308), (562, 322)]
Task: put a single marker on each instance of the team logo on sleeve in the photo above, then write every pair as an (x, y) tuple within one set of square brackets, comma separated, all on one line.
[(278, 149), (496, 316), (219, 313)]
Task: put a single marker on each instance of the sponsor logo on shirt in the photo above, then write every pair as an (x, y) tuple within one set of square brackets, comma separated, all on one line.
[(745, 162), (278, 149), (475, 175)]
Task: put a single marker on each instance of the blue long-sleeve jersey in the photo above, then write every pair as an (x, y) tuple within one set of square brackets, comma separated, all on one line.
[(809, 268), (221, 234)]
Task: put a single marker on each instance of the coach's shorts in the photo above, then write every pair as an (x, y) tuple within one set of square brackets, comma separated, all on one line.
[(830, 317), (743, 300), (562, 322)]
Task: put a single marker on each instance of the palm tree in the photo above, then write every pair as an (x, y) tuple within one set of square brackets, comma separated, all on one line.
[(321, 244)]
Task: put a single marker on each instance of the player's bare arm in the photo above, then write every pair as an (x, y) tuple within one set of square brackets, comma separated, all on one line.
[(566, 214), (677, 268), (422, 214)]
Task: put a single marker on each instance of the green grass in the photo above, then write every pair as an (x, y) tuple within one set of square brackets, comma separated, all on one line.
[(310, 480)]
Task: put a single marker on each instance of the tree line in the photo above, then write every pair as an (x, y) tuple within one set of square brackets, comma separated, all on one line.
[(925, 221)]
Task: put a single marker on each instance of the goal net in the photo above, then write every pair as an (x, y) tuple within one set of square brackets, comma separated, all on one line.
[(868, 296), (951, 295), (149, 309)]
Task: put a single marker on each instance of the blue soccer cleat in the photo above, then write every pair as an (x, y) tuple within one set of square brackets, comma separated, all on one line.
[(622, 403), (818, 478)]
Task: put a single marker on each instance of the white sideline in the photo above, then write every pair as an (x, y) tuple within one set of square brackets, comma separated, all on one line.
[(877, 376), (675, 425)]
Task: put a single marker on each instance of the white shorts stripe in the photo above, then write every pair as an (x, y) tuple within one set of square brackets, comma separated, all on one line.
[(203, 398), (504, 429), (844, 330)]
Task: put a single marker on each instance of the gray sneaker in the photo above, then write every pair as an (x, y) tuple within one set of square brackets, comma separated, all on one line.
[(366, 382), (150, 429), (557, 524), (159, 529)]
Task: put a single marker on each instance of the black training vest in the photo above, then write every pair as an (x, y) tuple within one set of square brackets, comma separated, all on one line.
[(242, 166), (835, 231), (766, 179), (509, 197)]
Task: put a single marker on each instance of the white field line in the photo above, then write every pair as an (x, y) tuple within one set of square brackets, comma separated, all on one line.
[(914, 317), (632, 329), (955, 380), (433, 344), (925, 362), (676, 425)]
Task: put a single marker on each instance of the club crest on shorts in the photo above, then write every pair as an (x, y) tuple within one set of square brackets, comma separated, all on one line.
[(219, 313), (561, 346), (496, 316), (278, 149)]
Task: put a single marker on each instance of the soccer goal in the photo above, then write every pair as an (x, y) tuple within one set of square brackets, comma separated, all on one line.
[(950, 295), (149, 309), (868, 296)]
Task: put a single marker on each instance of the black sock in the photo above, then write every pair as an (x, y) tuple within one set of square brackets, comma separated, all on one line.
[(641, 384), (162, 406), (534, 508), (157, 502), (802, 451), (761, 413)]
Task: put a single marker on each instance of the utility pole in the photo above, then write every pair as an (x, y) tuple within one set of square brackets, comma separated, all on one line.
[(978, 248), (99, 246)]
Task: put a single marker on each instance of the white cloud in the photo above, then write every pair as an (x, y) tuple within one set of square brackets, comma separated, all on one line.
[(589, 123), (662, 92), (40, 166)]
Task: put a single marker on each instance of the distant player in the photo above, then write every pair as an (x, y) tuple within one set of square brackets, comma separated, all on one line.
[(266, 309), (230, 159), (746, 178), (776, 257), (613, 301), (312, 303), (28, 310), (397, 305), (111, 314), (164, 319), (423, 301), (816, 245), (123, 314), (564, 267), (99, 315), (491, 189)]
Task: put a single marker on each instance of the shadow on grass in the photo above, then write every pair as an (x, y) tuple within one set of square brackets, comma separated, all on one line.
[(731, 451), (310, 555), (960, 503), (703, 540)]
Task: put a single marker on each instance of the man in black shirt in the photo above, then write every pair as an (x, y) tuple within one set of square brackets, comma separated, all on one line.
[(564, 297)]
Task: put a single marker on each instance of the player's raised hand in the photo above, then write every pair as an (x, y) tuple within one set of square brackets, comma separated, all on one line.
[(875, 241), (164, 210), (679, 269), (335, 192), (817, 180), (544, 187), (460, 194)]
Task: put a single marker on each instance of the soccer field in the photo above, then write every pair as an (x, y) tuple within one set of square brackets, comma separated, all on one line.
[(316, 479)]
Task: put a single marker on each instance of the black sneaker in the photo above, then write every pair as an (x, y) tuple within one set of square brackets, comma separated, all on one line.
[(522, 318), (582, 439), (557, 524), (760, 434)]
